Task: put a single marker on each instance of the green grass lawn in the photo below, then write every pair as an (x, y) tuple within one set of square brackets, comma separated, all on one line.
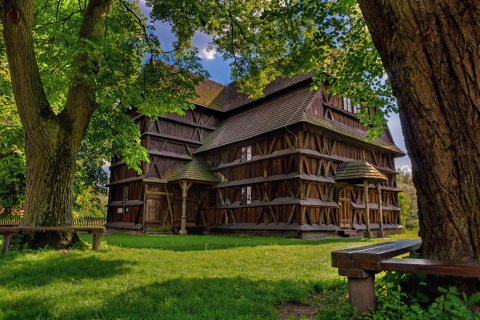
[(169, 277)]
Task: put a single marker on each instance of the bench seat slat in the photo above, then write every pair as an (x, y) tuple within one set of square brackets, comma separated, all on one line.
[(438, 267), (382, 253), (346, 254), (355, 257)]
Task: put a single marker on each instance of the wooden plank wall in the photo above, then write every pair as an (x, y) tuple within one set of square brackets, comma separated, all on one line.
[(330, 149), (172, 140), (330, 106)]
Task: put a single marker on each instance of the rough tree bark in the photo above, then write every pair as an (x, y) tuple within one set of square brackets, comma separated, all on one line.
[(430, 50), (51, 140)]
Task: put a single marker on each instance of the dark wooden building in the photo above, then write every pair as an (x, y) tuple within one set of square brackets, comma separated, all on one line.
[(236, 165)]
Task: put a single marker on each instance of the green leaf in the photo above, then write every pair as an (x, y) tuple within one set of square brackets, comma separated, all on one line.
[(442, 290), (473, 299)]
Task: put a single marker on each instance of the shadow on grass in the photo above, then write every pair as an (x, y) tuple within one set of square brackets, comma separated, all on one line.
[(207, 298), (201, 243), (37, 272)]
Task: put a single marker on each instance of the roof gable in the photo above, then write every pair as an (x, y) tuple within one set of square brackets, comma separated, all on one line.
[(279, 112), (216, 96), (267, 116)]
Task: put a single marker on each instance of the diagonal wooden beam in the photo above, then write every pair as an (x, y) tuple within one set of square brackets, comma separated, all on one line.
[(259, 148), (292, 212), (272, 145), (289, 142)]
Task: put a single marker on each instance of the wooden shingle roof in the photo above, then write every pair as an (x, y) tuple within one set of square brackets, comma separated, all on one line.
[(270, 115), (279, 112), (216, 96), (208, 94), (357, 171), (195, 170), (232, 99), (350, 132)]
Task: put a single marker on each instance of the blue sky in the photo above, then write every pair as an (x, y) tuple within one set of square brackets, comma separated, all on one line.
[(219, 70)]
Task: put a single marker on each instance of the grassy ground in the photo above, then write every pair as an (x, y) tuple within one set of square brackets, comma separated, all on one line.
[(169, 277)]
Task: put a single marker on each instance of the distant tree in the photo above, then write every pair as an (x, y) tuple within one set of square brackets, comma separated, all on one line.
[(407, 200), (89, 204), (12, 156)]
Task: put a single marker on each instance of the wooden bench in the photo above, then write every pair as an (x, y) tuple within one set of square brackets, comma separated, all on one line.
[(360, 265), (8, 232)]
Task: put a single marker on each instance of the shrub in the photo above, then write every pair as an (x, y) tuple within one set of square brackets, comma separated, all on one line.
[(419, 302)]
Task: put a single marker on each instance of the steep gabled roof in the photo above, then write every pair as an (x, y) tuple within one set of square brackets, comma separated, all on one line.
[(216, 96), (269, 115), (208, 92), (279, 112), (350, 132), (358, 171), (231, 99), (196, 170)]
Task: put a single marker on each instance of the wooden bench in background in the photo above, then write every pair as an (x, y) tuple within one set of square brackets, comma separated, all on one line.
[(360, 265), (8, 232)]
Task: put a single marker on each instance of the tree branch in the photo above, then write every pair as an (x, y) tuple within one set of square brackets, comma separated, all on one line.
[(62, 21), (33, 106), (81, 103), (3, 156)]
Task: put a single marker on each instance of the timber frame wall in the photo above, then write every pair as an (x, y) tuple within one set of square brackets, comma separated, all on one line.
[(290, 175), (152, 201), (291, 178)]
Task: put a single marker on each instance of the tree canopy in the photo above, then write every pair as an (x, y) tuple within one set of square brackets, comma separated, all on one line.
[(124, 79), (267, 39)]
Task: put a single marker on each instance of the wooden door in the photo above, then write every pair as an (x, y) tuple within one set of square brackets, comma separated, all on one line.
[(154, 211), (345, 209)]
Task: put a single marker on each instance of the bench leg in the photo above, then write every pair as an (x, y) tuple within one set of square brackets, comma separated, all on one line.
[(5, 243), (96, 241), (362, 293)]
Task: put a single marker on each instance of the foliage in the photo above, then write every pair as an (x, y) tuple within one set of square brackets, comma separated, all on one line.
[(407, 200), (12, 156), (12, 183), (266, 39), (89, 204), (395, 302)]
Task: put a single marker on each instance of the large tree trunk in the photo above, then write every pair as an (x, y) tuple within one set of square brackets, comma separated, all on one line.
[(50, 172), (430, 50), (51, 140)]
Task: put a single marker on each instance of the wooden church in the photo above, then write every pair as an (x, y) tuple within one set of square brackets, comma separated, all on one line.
[(266, 166)]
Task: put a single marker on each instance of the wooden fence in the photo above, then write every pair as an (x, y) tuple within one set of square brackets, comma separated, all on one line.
[(89, 222), (81, 222), (10, 221)]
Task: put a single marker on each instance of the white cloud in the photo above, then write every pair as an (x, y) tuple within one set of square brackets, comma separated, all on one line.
[(207, 54), (202, 41)]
